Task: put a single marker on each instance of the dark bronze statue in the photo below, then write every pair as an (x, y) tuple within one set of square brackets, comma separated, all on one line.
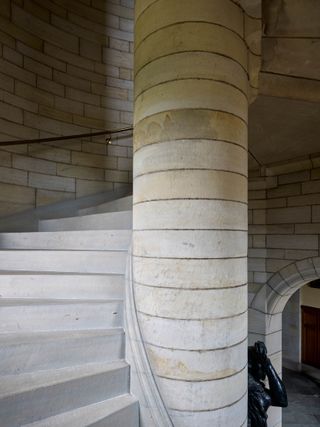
[(261, 398)]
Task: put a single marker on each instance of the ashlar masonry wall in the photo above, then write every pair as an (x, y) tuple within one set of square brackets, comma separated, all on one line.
[(65, 68)]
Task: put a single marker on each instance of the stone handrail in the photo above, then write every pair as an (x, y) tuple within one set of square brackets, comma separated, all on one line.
[(153, 412)]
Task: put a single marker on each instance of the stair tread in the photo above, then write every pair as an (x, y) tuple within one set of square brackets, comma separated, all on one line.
[(86, 415), (40, 379), (8, 302), (25, 337)]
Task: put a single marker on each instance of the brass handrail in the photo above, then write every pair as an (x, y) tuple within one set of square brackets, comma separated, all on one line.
[(62, 138)]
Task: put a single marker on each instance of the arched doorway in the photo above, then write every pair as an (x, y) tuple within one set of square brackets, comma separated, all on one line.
[(265, 312)]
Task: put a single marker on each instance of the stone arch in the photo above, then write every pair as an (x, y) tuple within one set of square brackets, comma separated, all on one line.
[(265, 311)]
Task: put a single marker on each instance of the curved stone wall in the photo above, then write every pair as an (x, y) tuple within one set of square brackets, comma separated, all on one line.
[(65, 68)]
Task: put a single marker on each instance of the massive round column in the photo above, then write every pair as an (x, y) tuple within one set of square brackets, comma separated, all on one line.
[(190, 205)]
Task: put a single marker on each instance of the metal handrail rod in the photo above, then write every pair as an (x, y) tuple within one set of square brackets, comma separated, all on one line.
[(62, 138)]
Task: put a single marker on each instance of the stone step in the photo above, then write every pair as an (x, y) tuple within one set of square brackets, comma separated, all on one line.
[(23, 315), (34, 351), (102, 221), (115, 240), (122, 411), (123, 204), (111, 262), (62, 286), (30, 397)]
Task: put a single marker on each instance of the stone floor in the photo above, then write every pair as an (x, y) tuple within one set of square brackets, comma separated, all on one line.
[(304, 401)]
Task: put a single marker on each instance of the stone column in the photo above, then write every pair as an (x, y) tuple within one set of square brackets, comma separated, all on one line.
[(190, 205)]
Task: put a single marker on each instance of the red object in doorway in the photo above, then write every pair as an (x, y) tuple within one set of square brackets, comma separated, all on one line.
[(311, 336)]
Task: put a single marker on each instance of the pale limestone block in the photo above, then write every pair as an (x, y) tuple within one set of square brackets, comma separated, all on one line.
[(90, 122), (13, 176), (46, 197), (198, 365), (166, 13), (194, 334), (117, 44), (316, 263), (101, 113), (272, 229), (117, 58), (117, 104), (126, 117), (191, 303), (190, 184), (250, 217), (5, 8), (17, 101), (181, 214), (44, 30), (256, 264), (5, 158), (13, 193), (68, 57), (126, 74), (233, 415), (193, 154), (90, 50), (116, 176), (306, 269), (84, 188), (262, 183), (315, 213), (86, 74), (38, 68), (289, 215), (285, 168), (51, 182), (13, 56), (189, 36), (273, 342), (71, 81), (6, 82), (117, 151), (292, 242), (204, 395), (190, 274), (11, 113), (260, 277), (191, 94), (256, 321), (54, 113), (285, 191), (40, 57), (17, 72), (119, 83), (18, 33), (43, 151), (34, 94), (257, 195), (93, 147), (259, 216), (295, 177), (15, 130), (295, 254), (309, 199), (109, 91), (34, 165), (6, 39), (35, 9), (126, 25), (80, 172), (195, 124), (252, 33), (94, 160), (307, 228), (259, 241), (190, 243), (270, 203), (125, 164), (311, 187), (82, 96), (274, 265), (50, 86)]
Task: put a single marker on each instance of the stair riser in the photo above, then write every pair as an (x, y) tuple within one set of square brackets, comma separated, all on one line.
[(27, 318), (107, 221), (124, 204), (58, 353), (73, 240), (63, 261), (127, 417), (62, 287), (47, 401)]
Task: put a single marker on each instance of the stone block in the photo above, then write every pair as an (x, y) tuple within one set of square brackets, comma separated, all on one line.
[(102, 113), (117, 151), (93, 147), (308, 199), (17, 32), (86, 74), (68, 57), (293, 242), (80, 172), (36, 55), (84, 188), (296, 254), (17, 72), (36, 10), (315, 213), (259, 241), (311, 187), (6, 82), (48, 182), (285, 191), (289, 215), (14, 193), (34, 165), (34, 94), (46, 197), (90, 50), (124, 164), (118, 59), (47, 152), (17, 101), (13, 56), (55, 114), (121, 45), (5, 158), (116, 176), (94, 160), (294, 177), (9, 112), (259, 216), (68, 105), (13, 176), (82, 96)]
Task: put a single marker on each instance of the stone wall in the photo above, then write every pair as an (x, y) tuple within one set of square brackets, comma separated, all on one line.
[(65, 68), (284, 218)]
